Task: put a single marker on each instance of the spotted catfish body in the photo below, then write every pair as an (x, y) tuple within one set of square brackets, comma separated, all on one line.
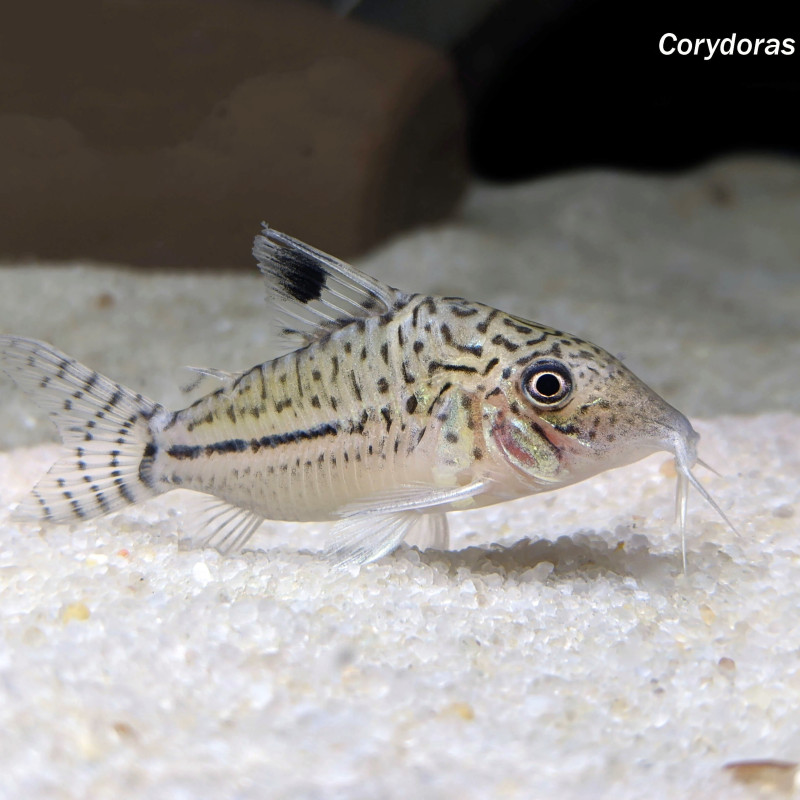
[(391, 410)]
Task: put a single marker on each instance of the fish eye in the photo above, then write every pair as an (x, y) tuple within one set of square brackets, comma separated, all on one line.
[(547, 383)]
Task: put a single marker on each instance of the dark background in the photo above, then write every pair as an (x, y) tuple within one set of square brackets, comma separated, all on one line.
[(159, 133), (566, 84)]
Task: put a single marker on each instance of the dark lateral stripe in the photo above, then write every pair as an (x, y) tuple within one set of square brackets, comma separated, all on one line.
[(183, 451)]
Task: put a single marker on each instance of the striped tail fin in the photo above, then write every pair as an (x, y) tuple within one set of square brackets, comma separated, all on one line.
[(106, 429)]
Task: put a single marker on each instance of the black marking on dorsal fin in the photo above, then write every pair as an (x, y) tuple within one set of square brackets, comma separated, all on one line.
[(300, 276), (313, 293)]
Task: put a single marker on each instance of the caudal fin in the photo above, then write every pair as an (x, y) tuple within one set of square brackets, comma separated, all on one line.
[(106, 430)]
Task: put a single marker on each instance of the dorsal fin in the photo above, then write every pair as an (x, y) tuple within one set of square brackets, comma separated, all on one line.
[(313, 293)]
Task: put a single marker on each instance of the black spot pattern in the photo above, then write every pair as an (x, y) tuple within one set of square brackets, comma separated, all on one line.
[(298, 275)]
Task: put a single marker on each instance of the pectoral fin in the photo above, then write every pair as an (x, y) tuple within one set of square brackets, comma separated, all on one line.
[(411, 497)]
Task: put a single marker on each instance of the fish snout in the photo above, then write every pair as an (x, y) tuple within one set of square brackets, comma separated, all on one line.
[(679, 437)]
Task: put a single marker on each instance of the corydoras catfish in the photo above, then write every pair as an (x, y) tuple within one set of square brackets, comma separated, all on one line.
[(391, 410)]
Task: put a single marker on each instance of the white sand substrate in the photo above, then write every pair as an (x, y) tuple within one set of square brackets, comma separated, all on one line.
[(557, 651)]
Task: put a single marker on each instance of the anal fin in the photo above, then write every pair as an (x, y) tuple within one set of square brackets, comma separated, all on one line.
[(221, 525)]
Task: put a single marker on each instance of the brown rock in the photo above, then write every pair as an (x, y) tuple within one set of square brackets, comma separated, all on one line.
[(153, 132)]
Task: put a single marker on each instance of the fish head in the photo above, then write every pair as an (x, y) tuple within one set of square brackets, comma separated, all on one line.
[(564, 410)]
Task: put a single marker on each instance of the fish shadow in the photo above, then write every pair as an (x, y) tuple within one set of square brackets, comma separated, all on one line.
[(586, 554)]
